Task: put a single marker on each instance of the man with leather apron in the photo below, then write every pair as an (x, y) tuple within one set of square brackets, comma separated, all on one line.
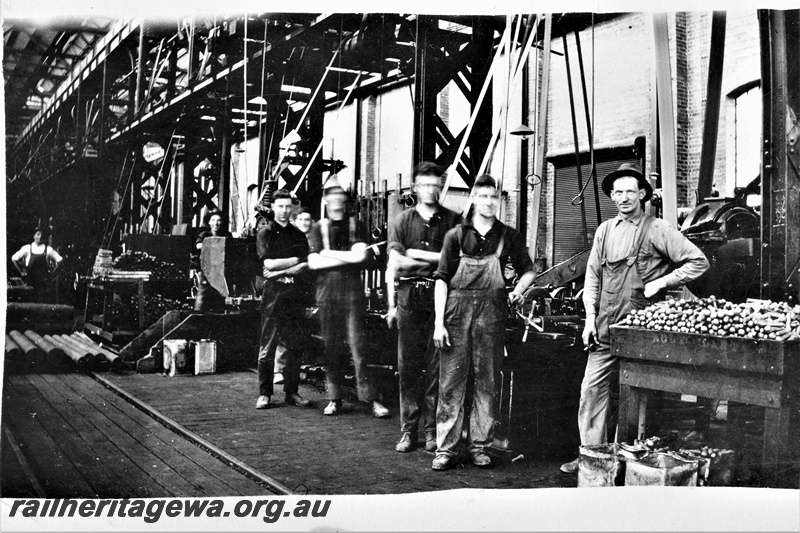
[(471, 303), (634, 257)]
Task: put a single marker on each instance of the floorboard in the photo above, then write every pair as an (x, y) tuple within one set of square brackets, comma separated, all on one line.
[(82, 440)]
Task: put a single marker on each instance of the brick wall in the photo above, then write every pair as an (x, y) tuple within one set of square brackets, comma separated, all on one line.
[(618, 71), (741, 66), (622, 76)]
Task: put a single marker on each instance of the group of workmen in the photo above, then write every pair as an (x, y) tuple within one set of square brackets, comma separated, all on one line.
[(449, 299)]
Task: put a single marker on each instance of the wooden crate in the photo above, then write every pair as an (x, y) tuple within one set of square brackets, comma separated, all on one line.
[(764, 373)]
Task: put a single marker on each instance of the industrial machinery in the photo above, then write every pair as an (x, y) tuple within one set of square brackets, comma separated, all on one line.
[(728, 232)]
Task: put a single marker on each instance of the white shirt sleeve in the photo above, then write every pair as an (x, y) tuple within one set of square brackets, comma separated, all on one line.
[(22, 253), (53, 255)]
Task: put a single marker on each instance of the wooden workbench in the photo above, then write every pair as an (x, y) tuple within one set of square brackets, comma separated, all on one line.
[(763, 373)]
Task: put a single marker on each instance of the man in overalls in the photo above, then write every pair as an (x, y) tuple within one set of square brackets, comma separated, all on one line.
[(415, 242), (338, 252), (472, 307), (633, 259)]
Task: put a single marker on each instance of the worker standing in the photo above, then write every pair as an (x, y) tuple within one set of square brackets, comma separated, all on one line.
[(303, 283), (634, 257), (338, 252), (415, 244), (37, 263), (208, 298), (283, 251), (471, 302)]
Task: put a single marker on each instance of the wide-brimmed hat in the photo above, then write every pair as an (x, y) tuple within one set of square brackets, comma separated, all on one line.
[(628, 170)]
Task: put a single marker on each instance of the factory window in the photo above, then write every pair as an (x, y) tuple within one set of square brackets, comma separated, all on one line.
[(567, 218), (744, 136)]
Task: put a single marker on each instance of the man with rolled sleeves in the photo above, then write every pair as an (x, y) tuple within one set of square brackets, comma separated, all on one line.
[(472, 307), (283, 252), (415, 243), (634, 258), (338, 252)]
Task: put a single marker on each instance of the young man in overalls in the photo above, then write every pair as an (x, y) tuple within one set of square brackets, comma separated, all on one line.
[(338, 251), (630, 263), (415, 244), (472, 307)]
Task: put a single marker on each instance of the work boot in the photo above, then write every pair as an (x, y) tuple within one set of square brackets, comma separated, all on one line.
[(333, 408), (263, 402), (378, 410), (570, 467), (407, 443), (442, 461), (430, 441), (295, 399), (481, 460)]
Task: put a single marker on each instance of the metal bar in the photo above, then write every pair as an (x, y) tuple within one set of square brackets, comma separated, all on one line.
[(774, 169), (666, 119), (541, 129), (716, 59), (23, 462), (792, 147), (575, 141), (522, 202), (589, 131), (204, 85), (476, 108), (137, 96)]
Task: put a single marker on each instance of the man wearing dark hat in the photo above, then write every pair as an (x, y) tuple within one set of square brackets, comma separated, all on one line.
[(634, 258), (338, 252)]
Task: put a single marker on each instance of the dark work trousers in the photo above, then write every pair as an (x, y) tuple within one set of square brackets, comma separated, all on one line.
[(342, 322), (622, 290), (475, 318), (281, 323), (417, 357)]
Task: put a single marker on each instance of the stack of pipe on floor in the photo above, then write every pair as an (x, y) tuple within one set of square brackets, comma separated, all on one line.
[(30, 349), (43, 318)]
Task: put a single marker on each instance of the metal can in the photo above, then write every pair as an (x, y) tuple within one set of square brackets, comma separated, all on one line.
[(176, 353), (205, 356)]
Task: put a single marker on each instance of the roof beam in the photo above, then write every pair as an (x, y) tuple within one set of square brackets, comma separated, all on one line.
[(204, 85)]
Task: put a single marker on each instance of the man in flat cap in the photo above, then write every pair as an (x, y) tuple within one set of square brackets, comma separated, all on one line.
[(634, 258)]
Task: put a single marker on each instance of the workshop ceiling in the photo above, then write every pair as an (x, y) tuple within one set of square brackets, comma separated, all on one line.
[(37, 57)]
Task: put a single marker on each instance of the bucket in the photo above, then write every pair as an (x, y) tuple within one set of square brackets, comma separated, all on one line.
[(661, 470), (205, 356), (599, 466), (176, 355)]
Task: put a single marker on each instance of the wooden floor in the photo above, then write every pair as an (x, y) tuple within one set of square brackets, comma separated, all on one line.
[(80, 439), (352, 453), (66, 435)]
